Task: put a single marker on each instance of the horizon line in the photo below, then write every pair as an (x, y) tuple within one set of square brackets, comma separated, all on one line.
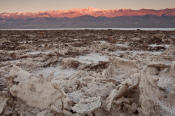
[(73, 9)]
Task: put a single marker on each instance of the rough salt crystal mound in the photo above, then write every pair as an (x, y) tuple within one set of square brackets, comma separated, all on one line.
[(122, 45), (87, 105), (83, 92), (92, 58), (3, 102), (35, 91), (38, 52), (57, 71)]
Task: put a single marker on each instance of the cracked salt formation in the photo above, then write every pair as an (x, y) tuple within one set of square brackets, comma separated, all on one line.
[(157, 89), (137, 52), (38, 52), (83, 92), (36, 92), (87, 78), (92, 58), (57, 71)]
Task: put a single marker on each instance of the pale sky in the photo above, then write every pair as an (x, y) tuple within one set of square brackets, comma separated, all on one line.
[(44, 5)]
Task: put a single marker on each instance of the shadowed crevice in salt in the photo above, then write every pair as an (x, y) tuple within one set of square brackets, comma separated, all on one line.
[(92, 58)]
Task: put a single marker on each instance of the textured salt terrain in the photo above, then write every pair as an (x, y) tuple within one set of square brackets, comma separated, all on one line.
[(122, 45), (38, 52), (155, 45), (56, 71), (92, 58), (136, 52), (87, 73)]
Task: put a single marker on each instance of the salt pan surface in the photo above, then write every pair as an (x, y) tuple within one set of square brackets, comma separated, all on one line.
[(57, 71), (137, 52), (92, 58)]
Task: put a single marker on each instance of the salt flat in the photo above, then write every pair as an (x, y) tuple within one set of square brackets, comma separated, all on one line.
[(79, 72)]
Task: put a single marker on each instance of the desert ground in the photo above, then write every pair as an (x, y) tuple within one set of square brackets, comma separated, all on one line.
[(87, 73)]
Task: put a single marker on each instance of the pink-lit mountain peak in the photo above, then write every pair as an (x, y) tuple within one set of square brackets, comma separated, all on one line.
[(76, 12)]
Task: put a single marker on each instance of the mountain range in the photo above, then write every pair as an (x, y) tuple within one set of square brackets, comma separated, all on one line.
[(90, 18)]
